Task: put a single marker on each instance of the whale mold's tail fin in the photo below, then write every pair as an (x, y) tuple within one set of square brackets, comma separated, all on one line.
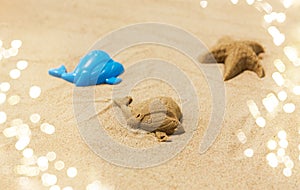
[(57, 72)]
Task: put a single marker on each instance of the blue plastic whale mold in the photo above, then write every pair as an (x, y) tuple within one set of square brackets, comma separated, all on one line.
[(95, 68)]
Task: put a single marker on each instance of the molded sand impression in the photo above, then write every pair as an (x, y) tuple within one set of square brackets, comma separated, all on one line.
[(160, 115), (237, 56)]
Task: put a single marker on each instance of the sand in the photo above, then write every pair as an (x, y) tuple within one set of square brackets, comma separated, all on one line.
[(56, 32)]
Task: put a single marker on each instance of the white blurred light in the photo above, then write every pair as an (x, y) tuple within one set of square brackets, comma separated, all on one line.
[(272, 160), (268, 18), (28, 153), (296, 90), (47, 128), (250, 2), (51, 156), (253, 108), (242, 137), (271, 144), (35, 118), (270, 102), (14, 73), (273, 15), (16, 44), (54, 187), (281, 134), (282, 95), (234, 1), (3, 117), (49, 179), (22, 143), (279, 39), (4, 86), (277, 77), (35, 92), (13, 100), (260, 121), (67, 188), (273, 31), (280, 66), (10, 131), (42, 162), (23, 130), (297, 62), (289, 108), (287, 172), (283, 143), (21, 65), (72, 172), (203, 4), (280, 17), (27, 170), (13, 52), (289, 164), (2, 98), (59, 165), (249, 152), (96, 185), (267, 7), (6, 54), (287, 3), (281, 152), (291, 53)]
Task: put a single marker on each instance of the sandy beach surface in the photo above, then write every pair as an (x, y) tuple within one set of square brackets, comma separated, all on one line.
[(61, 32)]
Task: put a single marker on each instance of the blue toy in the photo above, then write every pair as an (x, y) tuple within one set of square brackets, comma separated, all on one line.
[(95, 68)]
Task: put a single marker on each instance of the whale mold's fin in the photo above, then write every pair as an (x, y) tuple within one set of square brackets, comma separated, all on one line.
[(57, 72), (113, 80)]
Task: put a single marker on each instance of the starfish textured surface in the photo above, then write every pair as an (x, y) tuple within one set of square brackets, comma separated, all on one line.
[(237, 56)]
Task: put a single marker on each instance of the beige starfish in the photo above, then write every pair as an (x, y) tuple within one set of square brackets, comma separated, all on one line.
[(237, 56)]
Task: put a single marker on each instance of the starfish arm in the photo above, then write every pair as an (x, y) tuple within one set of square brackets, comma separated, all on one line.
[(240, 59), (259, 70), (207, 58), (256, 47), (217, 54)]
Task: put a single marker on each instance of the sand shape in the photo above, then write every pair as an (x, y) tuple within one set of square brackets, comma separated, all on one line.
[(237, 56), (160, 115)]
